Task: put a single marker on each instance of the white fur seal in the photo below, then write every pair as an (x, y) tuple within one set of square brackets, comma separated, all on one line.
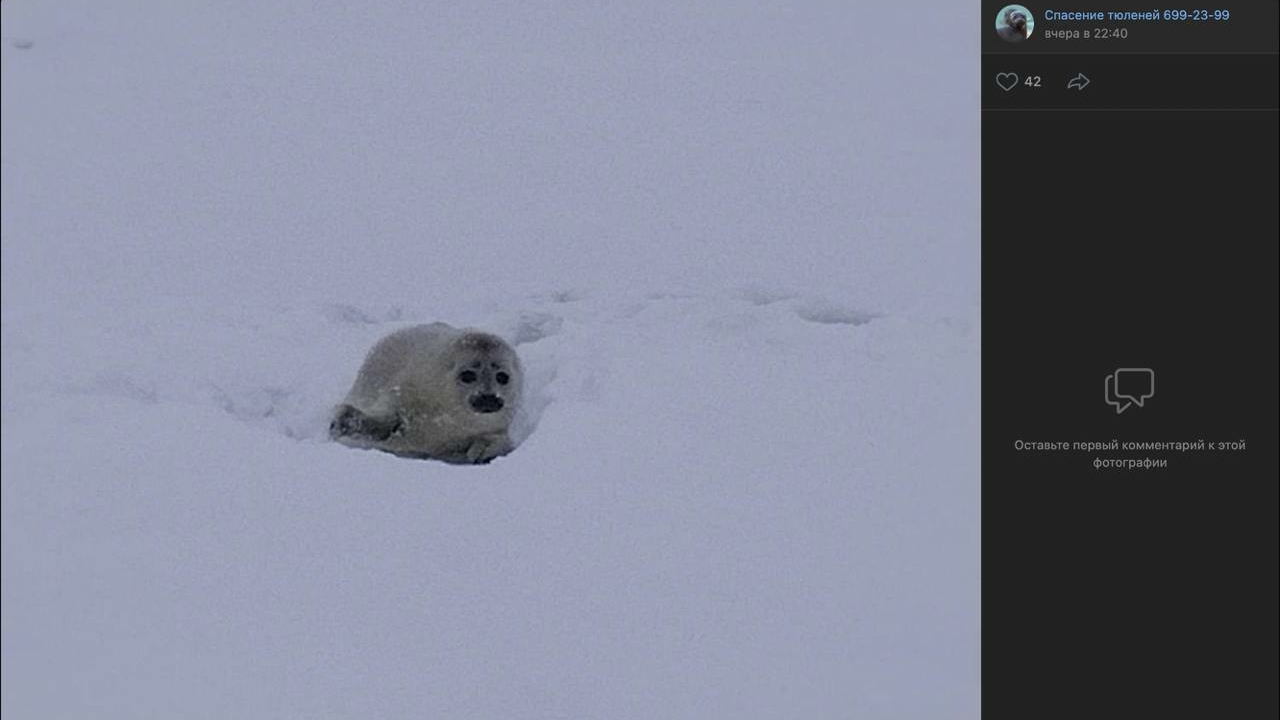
[(433, 391)]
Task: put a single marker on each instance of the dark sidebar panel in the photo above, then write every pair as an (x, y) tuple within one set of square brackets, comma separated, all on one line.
[(1130, 385)]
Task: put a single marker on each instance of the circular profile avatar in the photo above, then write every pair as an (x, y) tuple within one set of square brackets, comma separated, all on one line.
[(1014, 23)]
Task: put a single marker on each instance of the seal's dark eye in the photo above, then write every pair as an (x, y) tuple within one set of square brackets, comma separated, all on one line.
[(502, 378), (467, 376)]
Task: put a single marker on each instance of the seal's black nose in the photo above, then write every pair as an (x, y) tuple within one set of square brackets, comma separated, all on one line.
[(486, 403)]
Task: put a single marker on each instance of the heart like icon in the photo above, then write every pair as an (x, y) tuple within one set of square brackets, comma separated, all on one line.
[(1007, 81)]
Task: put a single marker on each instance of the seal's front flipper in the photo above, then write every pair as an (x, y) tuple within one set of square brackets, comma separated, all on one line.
[(351, 423), (487, 447)]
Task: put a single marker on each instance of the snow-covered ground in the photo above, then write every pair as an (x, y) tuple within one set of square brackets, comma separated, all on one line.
[(735, 244)]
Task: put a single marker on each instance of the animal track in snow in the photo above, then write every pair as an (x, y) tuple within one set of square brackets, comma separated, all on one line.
[(826, 313), (533, 327)]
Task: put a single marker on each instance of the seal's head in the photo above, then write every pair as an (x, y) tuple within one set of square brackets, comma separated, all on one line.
[(486, 378), (1017, 20)]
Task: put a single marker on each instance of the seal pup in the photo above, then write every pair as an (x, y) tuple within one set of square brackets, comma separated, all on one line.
[(434, 391)]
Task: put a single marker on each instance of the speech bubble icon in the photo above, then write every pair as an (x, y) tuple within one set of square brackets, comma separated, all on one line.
[(1127, 387)]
